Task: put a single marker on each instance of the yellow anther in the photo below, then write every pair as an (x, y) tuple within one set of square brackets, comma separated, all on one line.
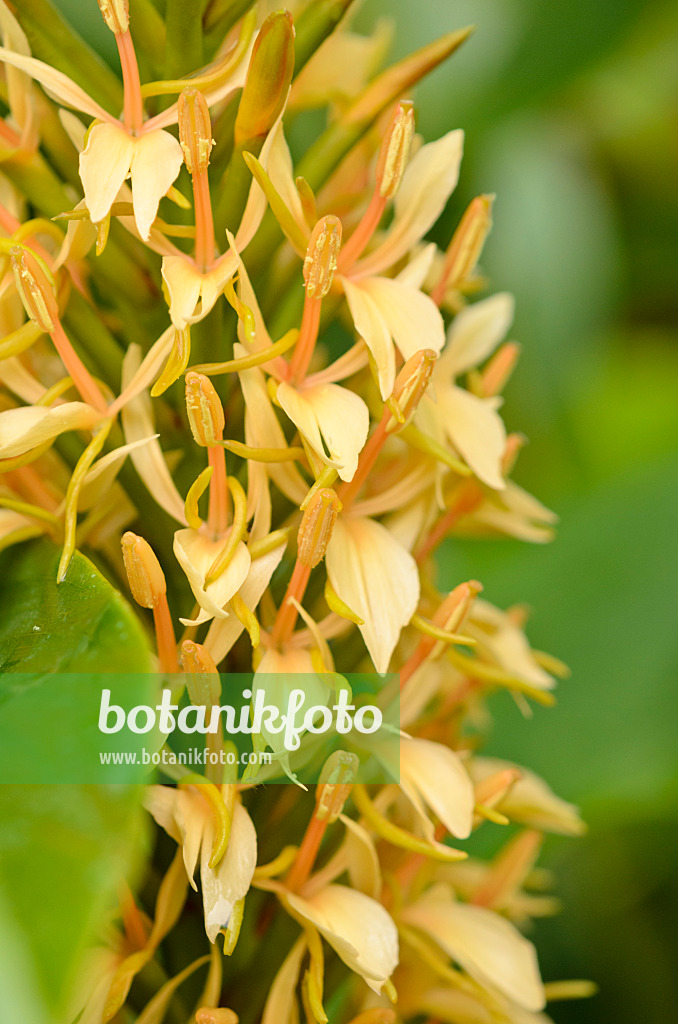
[(195, 130), (116, 14), (467, 241), (36, 289), (334, 787), (146, 578), (216, 1015), (410, 385), (205, 412), (316, 527), (321, 257), (395, 150)]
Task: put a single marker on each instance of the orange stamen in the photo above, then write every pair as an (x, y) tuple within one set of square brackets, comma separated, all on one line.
[(286, 618), (204, 224), (362, 234), (80, 375), (308, 335), (470, 497), (164, 632)]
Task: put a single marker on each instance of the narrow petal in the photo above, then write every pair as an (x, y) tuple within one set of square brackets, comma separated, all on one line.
[(477, 432), (149, 461), (375, 577), (373, 329), (191, 816), (433, 773), (156, 162), (101, 476), (224, 885), (486, 945), (223, 633), (56, 84), (333, 420), (160, 801), (184, 282), (507, 644), (28, 426), (360, 930), (530, 801), (148, 370), (476, 331), (104, 164), (413, 319), (196, 552), (281, 1003), (430, 178)]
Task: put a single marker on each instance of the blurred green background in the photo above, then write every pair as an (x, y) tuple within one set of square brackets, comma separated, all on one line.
[(570, 112)]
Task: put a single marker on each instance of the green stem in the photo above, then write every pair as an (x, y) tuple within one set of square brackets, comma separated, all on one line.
[(314, 25), (183, 47)]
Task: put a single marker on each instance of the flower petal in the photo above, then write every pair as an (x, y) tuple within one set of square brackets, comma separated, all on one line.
[(476, 331), (434, 773), (530, 801), (372, 327), (184, 282), (360, 930), (104, 164), (104, 471), (332, 419), (375, 577), (486, 945), (413, 319), (28, 426), (224, 885), (196, 552), (507, 644), (476, 430), (156, 162), (56, 84)]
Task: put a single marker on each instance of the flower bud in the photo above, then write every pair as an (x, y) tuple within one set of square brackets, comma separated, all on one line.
[(334, 787), (195, 130), (205, 411), (35, 288), (395, 150), (146, 578), (320, 261), (116, 14), (268, 78), (410, 385), (316, 527)]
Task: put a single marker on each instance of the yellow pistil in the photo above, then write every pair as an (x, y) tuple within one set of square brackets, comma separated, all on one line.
[(149, 589)]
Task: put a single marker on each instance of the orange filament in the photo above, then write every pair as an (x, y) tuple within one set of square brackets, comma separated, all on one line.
[(81, 377), (204, 224), (307, 853), (348, 491), (164, 632), (308, 335), (287, 613), (369, 223), (133, 111)]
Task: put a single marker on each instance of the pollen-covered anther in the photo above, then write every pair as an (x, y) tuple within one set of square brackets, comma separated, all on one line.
[(195, 130), (35, 288), (205, 411), (321, 257), (215, 1015), (409, 388), (395, 150), (146, 578), (316, 526), (116, 14), (334, 787)]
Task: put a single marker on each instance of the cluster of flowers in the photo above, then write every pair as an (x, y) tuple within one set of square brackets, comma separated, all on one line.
[(361, 438)]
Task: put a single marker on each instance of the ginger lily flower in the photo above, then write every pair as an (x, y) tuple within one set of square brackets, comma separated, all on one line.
[(358, 928), (485, 944), (187, 817), (116, 149)]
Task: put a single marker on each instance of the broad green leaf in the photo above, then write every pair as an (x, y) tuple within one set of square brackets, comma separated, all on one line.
[(63, 849), (82, 625)]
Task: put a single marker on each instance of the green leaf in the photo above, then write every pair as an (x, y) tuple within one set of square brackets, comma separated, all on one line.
[(63, 849), (82, 625)]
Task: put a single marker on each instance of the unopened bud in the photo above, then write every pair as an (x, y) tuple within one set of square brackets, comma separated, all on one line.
[(514, 444), (395, 149), (316, 527), (35, 286), (334, 786), (116, 14), (456, 606), (146, 578), (216, 1015), (205, 411), (320, 261), (268, 78), (195, 130), (410, 385), (466, 245)]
